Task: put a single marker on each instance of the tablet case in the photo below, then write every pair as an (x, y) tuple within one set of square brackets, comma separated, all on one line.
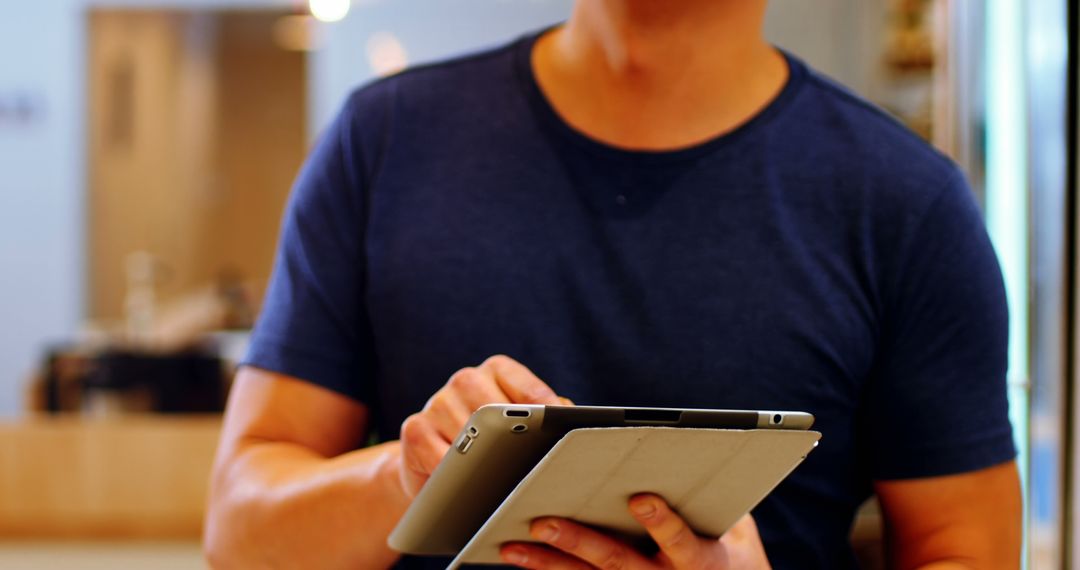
[(712, 477)]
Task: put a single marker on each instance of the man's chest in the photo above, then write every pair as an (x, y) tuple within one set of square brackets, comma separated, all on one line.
[(717, 294)]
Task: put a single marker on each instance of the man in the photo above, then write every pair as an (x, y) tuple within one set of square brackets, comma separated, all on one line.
[(648, 205)]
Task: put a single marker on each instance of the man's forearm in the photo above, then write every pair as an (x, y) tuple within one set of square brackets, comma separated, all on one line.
[(281, 505)]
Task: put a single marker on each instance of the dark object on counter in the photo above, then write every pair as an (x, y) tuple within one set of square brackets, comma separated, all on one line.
[(166, 383), (125, 381), (58, 387)]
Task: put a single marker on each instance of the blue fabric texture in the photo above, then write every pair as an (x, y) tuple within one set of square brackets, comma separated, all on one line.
[(819, 257)]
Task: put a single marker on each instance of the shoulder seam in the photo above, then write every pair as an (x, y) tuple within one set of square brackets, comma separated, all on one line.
[(881, 114), (955, 177)]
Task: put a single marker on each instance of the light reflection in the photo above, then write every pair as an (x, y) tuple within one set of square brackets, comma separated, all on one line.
[(386, 54), (328, 10)]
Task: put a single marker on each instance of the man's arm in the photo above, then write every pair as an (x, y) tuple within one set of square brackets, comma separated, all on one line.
[(967, 521), (288, 489)]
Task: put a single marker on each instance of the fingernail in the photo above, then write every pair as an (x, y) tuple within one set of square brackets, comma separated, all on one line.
[(548, 532), (517, 556), (643, 509)]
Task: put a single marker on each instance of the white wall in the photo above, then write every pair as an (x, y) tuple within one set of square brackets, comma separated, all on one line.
[(841, 38), (41, 186)]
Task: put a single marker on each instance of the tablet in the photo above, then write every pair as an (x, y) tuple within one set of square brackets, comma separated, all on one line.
[(502, 443), (710, 477)]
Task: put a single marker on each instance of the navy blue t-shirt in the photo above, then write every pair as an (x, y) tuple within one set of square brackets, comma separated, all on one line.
[(819, 257)]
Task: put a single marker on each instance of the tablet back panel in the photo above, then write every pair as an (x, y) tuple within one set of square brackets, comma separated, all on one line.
[(508, 440), (711, 477)]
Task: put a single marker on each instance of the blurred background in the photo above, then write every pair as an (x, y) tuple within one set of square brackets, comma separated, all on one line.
[(147, 148)]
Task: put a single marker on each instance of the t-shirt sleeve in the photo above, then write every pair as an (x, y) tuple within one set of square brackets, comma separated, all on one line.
[(938, 403), (312, 324)]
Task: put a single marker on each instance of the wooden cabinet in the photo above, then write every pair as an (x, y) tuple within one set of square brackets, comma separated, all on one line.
[(139, 477)]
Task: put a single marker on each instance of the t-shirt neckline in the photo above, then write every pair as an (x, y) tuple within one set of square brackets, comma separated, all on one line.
[(551, 119)]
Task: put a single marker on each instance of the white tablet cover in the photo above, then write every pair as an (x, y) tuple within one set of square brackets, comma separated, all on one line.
[(712, 477)]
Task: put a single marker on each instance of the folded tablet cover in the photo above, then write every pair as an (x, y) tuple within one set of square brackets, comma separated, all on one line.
[(712, 477)]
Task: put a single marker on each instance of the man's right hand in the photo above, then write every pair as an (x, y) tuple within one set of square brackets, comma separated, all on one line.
[(427, 435)]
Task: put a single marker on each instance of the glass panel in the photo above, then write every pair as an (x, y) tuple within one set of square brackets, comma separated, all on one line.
[(1045, 60), (1007, 192), (1025, 205)]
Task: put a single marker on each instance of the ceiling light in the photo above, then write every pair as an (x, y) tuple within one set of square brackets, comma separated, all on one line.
[(328, 10)]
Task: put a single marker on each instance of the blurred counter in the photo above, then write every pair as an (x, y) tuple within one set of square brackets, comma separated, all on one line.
[(131, 477)]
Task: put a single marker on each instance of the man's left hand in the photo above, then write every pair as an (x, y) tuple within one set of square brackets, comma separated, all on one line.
[(574, 546)]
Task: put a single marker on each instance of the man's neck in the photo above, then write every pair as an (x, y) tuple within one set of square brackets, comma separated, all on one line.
[(658, 74), (641, 39)]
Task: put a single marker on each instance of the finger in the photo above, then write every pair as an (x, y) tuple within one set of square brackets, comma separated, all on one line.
[(589, 545), (675, 538), (745, 528), (519, 383), (422, 448), (448, 413), (743, 543), (485, 390), (476, 387), (533, 556)]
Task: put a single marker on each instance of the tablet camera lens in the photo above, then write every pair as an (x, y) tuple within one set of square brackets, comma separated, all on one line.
[(519, 428), (777, 418)]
